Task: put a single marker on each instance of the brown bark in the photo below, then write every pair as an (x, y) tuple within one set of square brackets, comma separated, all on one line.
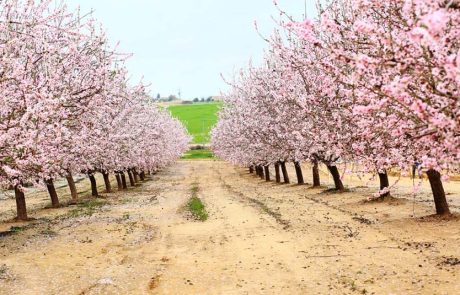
[(72, 187), (298, 172), (315, 171), (262, 176), (142, 176), (119, 183), (131, 178), (135, 175), (123, 180), (251, 169), (284, 171), (52, 193), (92, 179), (21, 208), (108, 185), (336, 176), (277, 172), (384, 183), (267, 173), (440, 201)]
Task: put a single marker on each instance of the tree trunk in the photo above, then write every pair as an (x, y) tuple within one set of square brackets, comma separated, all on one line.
[(336, 176), (251, 169), (384, 183), (262, 176), (442, 208), (21, 208), (52, 193), (285, 173), (72, 187), (315, 171), (267, 173), (142, 176), (92, 179), (119, 183), (131, 178), (108, 186), (136, 176), (277, 172), (298, 172), (123, 180)]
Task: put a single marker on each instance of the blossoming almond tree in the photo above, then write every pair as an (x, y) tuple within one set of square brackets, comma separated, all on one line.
[(374, 83), (62, 87)]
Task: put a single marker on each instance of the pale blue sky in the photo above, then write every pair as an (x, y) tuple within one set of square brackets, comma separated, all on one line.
[(186, 44)]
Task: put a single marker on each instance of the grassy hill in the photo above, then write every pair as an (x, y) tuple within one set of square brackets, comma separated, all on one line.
[(199, 118)]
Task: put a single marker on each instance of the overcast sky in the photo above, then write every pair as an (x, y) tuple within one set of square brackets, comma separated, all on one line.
[(186, 44)]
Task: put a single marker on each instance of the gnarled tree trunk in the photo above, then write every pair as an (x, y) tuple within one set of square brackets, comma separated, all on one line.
[(267, 173), (384, 183), (21, 208), (285, 173), (123, 180), (72, 187), (315, 171), (142, 176), (52, 192), (277, 172), (92, 179), (108, 186), (298, 172), (336, 176), (440, 201), (251, 169)]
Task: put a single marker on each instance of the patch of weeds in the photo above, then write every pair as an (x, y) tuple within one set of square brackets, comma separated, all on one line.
[(49, 233), (363, 220), (195, 189), (197, 208), (126, 216), (87, 208), (5, 273), (17, 229), (350, 283), (126, 201)]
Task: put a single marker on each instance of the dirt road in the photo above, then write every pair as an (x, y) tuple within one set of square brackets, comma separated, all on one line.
[(260, 238)]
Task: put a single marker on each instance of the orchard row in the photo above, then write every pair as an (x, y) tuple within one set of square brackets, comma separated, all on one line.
[(67, 106), (369, 82)]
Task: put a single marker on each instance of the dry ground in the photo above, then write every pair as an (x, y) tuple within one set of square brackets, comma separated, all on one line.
[(260, 238)]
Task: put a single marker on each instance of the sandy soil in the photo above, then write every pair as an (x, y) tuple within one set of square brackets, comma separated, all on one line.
[(260, 238)]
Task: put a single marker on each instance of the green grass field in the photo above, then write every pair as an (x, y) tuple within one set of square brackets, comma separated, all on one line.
[(199, 118), (198, 154)]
